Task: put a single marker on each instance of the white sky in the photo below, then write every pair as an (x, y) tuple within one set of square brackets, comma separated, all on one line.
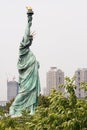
[(61, 36)]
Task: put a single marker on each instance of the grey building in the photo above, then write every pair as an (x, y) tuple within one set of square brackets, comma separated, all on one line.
[(80, 76), (54, 78), (12, 89)]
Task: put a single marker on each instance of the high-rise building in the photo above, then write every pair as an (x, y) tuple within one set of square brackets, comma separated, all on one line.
[(54, 78), (12, 89), (80, 76)]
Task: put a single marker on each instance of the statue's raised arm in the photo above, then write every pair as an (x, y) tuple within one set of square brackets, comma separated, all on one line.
[(28, 37)]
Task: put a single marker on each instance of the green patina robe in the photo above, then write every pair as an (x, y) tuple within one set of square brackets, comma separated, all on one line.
[(29, 84)]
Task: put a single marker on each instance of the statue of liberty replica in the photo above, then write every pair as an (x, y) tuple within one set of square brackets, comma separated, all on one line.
[(29, 84)]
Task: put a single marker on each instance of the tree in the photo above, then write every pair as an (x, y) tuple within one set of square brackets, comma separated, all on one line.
[(43, 101), (64, 112)]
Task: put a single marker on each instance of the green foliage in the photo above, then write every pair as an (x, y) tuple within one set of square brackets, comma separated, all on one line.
[(84, 85), (8, 104), (1, 111), (43, 101), (58, 111)]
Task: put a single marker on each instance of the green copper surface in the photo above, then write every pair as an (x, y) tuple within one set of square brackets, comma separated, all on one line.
[(29, 84)]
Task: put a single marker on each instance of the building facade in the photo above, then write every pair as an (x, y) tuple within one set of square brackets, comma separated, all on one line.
[(12, 89), (80, 76), (54, 78)]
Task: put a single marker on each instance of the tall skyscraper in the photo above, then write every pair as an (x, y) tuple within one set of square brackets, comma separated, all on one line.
[(12, 89), (80, 76), (54, 78)]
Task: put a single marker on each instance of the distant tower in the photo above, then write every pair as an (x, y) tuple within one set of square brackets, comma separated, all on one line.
[(12, 89), (54, 78), (81, 76)]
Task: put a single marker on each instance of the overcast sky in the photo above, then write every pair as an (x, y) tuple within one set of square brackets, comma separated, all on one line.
[(60, 40)]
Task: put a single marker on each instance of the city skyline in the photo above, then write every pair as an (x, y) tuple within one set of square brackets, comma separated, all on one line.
[(60, 40), (55, 78), (60, 73)]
